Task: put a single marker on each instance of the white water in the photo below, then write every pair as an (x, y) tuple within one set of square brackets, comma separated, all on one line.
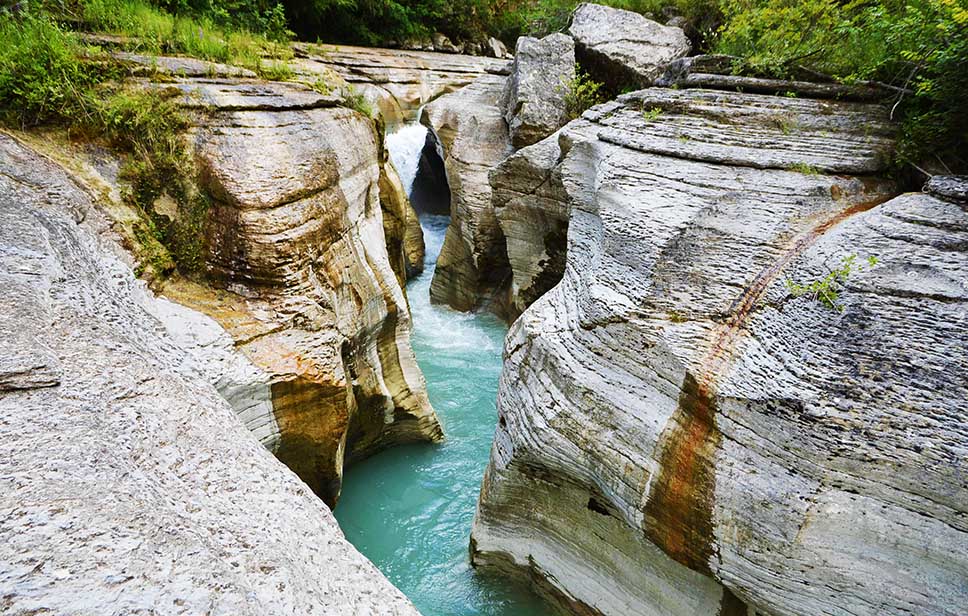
[(409, 509), (405, 146)]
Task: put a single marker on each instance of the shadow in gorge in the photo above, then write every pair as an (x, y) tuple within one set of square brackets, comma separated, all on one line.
[(429, 191), (410, 509)]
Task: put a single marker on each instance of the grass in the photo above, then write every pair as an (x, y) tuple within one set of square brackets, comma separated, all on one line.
[(48, 77), (147, 29)]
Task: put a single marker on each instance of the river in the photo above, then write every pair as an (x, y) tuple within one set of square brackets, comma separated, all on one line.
[(409, 509)]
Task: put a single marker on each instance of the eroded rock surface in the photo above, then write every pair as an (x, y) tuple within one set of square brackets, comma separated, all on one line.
[(678, 433), (472, 266), (297, 254), (127, 483), (623, 48), (542, 72), (397, 81)]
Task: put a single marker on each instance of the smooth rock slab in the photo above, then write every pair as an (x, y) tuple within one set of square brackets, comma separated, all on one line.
[(131, 487)]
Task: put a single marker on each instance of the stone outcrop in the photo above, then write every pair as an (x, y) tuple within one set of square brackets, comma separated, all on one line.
[(301, 277), (306, 245), (679, 432), (397, 81), (622, 48), (534, 102), (128, 484), (472, 266)]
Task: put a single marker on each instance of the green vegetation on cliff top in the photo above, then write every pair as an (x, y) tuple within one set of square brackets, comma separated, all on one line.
[(917, 47)]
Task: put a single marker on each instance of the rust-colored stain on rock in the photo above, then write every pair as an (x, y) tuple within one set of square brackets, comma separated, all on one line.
[(679, 510)]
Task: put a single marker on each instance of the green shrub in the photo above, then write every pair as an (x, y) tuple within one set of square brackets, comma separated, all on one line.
[(919, 47), (582, 93), (41, 76), (827, 290)]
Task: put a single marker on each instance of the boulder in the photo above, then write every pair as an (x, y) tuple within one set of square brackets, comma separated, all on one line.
[(534, 98), (495, 48), (950, 187), (128, 484), (472, 267), (680, 430), (442, 43), (624, 49)]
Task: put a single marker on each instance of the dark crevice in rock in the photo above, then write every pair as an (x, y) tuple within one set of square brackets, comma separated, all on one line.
[(430, 193)]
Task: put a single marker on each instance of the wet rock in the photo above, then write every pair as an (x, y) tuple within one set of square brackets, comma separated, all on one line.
[(535, 93), (679, 433), (130, 485), (622, 48), (472, 266)]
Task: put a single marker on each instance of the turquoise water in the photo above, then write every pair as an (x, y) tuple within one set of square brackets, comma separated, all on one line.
[(409, 510)]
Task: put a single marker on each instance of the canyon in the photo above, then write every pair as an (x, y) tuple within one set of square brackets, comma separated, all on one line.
[(735, 379)]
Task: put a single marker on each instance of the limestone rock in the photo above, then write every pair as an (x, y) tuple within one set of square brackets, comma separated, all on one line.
[(401, 227), (622, 48), (298, 253), (950, 187), (535, 94), (129, 485), (398, 81), (442, 43), (678, 433), (145, 65), (496, 49), (472, 266)]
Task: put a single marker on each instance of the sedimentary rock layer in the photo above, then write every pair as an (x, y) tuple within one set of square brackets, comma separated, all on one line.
[(297, 254), (127, 483), (679, 432), (398, 81), (472, 267)]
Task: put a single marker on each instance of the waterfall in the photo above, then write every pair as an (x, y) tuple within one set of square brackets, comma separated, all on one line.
[(405, 145)]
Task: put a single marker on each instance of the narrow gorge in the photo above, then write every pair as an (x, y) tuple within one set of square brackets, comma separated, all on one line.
[(605, 325)]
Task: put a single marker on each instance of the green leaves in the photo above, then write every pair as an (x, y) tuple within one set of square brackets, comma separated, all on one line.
[(827, 290)]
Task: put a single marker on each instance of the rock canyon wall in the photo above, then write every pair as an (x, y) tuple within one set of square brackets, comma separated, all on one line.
[(682, 433), (128, 483)]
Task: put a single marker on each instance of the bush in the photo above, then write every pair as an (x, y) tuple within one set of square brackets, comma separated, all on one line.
[(582, 93), (919, 47)]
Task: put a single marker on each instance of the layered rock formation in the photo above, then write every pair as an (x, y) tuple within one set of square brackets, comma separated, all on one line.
[(534, 99), (680, 432), (397, 81), (296, 242), (622, 48), (472, 266), (306, 244), (127, 482)]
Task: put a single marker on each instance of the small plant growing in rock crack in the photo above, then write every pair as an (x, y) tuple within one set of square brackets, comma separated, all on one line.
[(355, 100), (582, 93), (651, 115), (827, 290)]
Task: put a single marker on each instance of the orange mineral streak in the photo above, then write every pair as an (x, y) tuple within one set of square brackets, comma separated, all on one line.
[(679, 510)]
